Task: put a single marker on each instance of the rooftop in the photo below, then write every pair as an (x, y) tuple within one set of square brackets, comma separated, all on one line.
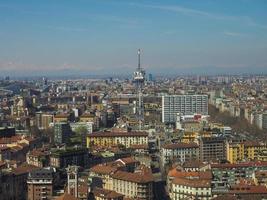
[(180, 145), (117, 134)]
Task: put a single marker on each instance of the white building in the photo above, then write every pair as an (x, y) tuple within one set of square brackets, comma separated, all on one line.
[(184, 105), (182, 188), (179, 152), (87, 125)]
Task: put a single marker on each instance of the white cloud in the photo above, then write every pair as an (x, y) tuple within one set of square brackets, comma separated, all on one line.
[(233, 34), (199, 13)]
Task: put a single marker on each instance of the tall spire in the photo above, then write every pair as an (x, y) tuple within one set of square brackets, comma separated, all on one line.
[(139, 64)]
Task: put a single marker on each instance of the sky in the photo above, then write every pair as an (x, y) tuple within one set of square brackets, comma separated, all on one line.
[(42, 37)]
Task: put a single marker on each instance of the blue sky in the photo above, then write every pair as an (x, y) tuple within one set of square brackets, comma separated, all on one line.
[(102, 36)]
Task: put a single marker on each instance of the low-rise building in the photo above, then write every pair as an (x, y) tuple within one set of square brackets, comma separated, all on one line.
[(38, 157), (126, 139), (229, 174), (61, 158), (138, 185), (183, 188), (179, 152)]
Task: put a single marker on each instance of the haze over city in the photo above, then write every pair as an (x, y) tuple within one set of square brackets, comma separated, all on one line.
[(133, 100), (100, 37)]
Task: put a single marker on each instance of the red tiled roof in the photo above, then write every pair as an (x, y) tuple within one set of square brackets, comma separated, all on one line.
[(196, 183), (107, 194), (103, 169), (25, 168), (133, 177), (183, 174), (237, 165), (248, 189), (66, 196)]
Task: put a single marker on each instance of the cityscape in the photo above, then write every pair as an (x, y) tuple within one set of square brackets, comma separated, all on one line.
[(108, 121)]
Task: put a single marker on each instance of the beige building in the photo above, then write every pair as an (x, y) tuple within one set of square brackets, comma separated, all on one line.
[(116, 138), (119, 177), (137, 185)]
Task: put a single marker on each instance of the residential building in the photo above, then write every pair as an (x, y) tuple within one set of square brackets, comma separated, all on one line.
[(138, 185), (14, 183), (183, 184), (183, 188), (7, 132), (61, 158), (62, 132), (103, 194), (228, 174), (117, 138), (40, 184), (38, 157), (235, 152), (213, 148), (252, 149), (180, 152), (183, 105)]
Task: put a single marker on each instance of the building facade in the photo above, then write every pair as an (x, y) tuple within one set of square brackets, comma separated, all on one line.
[(180, 152), (213, 149), (40, 184), (117, 138), (62, 132), (183, 188), (184, 105)]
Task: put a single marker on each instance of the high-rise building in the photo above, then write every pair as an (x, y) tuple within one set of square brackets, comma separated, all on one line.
[(40, 184), (62, 132), (183, 105)]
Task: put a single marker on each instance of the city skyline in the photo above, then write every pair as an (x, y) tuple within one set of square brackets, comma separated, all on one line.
[(102, 37)]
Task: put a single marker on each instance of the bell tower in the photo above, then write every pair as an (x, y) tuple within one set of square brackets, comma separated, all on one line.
[(72, 172)]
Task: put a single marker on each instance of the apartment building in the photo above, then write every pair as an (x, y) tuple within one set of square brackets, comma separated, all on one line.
[(117, 138), (40, 184), (133, 185), (118, 177), (213, 149), (180, 152), (61, 158), (228, 174), (235, 152), (183, 105), (183, 188)]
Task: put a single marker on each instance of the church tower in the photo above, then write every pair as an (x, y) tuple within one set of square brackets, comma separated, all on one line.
[(72, 172)]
